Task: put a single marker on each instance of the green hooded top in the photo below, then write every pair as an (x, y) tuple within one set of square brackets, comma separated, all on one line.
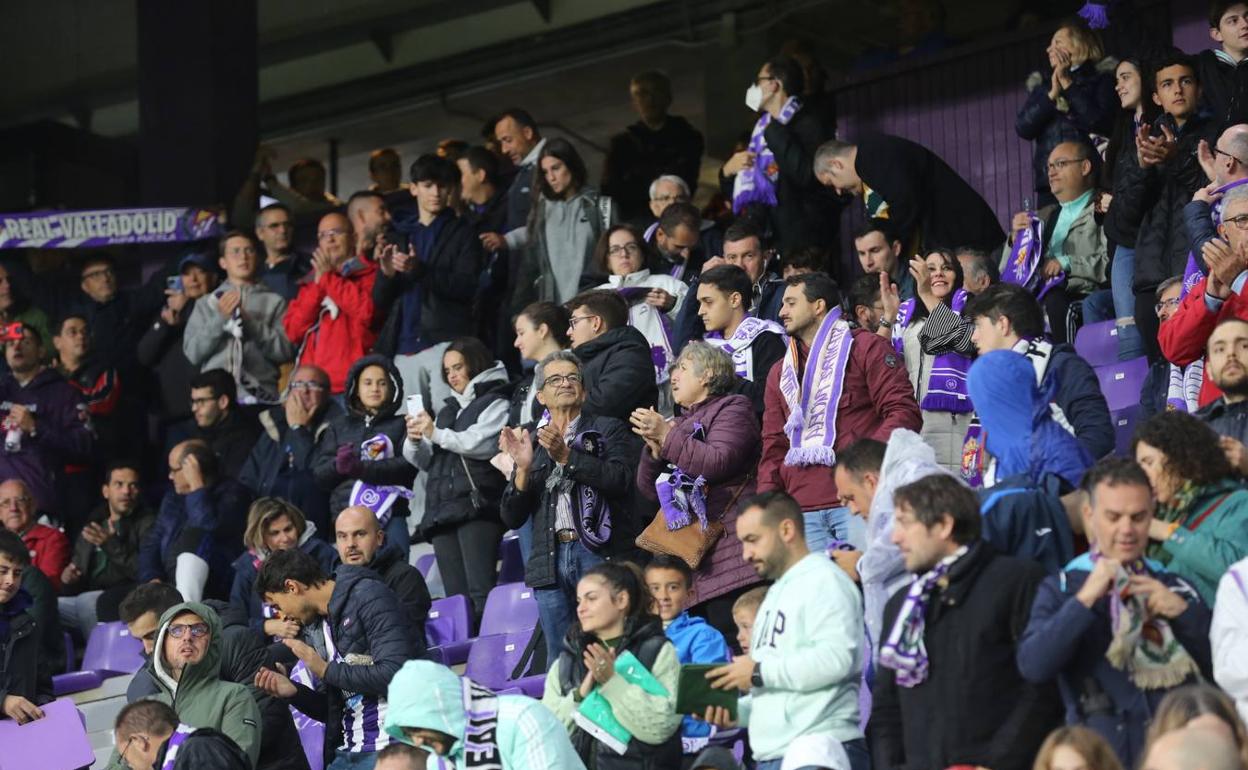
[(526, 735)]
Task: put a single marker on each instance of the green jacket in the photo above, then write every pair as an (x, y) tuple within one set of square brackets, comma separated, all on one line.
[(429, 696), (1213, 536), (1086, 249)]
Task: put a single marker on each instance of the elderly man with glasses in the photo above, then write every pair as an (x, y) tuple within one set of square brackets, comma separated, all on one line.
[(574, 476), (49, 548)]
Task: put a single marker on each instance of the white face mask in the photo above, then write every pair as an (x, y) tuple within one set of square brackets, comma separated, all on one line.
[(754, 97)]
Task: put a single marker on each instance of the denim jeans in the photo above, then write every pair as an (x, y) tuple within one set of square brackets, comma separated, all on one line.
[(859, 757), (828, 524), (1098, 306), (556, 607), (346, 760), (1130, 345)]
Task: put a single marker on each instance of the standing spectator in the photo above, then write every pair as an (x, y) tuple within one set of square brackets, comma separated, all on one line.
[(1227, 633), (665, 192), (968, 604), (1076, 102), (99, 385), (49, 548), (370, 220), (485, 210), (360, 540), (1073, 747), (15, 306), (1115, 632), (1200, 527), (358, 458), (520, 139), (614, 618), (463, 491), (804, 423), (239, 327), (879, 252), (105, 562), (657, 144), (574, 479), (701, 464), (754, 344), (104, 306), (45, 421), (25, 681), (220, 422), (567, 218), (616, 360), (284, 267), (805, 660), (928, 204), (273, 525), (541, 329)]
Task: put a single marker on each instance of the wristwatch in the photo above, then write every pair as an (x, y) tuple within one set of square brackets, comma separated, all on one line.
[(756, 679)]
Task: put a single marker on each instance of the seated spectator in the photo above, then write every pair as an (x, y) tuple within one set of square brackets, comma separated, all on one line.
[(1199, 705), (667, 191), (25, 680), (1167, 386), (49, 548), (1226, 415), (331, 320), (866, 308), (361, 543), (1194, 748), (221, 422), (805, 659), (44, 422), (1085, 626), (810, 259), (670, 582), (1227, 633), (616, 360), (198, 530), (1007, 317), (105, 563), (152, 736), (273, 525), (284, 267), (52, 638), (744, 613), (280, 462), (676, 251), (928, 204), (979, 270), (541, 329), (1223, 167), (614, 618), (754, 344), (238, 327), (462, 490), (358, 458), (1034, 463), (98, 383), (967, 603), (574, 478), (400, 756), (1074, 747), (700, 465), (1200, 527), (426, 699), (879, 252)]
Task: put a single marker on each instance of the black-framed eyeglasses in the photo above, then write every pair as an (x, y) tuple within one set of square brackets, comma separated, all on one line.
[(198, 630), (574, 320), (315, 387), (125, 762), (559, 380), (628, 248), (1217, 151), (201, 401)]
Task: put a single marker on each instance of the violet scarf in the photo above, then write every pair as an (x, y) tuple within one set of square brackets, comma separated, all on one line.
[(904, 651), (757, 184), (180, 734), (814, 398), (946, 383), (590, 509), (681, 496), (377, 498), (740, 345), (1022, 267)]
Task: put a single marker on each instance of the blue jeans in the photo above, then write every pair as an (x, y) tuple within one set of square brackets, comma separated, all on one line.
[(1130, 344), (346, 760), (828, 524), (556, 607), (859, 757), (1098, 306)]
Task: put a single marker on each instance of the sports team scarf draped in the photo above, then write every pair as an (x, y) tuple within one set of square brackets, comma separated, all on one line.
[(1185, 510), (681, 496), (378, 498), (904, 651), (814, 399), (740, 345), (661, 351), (678, 269), (1022, 268), (180, 734), (1143, 647), (757, 184), (481, 728), (946, 383), (590, 509)]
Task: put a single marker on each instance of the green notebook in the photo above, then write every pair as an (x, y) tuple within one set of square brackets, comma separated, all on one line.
[(595, 715), (694, 692)]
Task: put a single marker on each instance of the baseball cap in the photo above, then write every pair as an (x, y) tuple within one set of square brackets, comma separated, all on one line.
[(198, 259)]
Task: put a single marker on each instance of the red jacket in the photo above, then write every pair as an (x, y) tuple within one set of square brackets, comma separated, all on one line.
[(49, 551), (1184, 336), (337, 342), (877, 399)]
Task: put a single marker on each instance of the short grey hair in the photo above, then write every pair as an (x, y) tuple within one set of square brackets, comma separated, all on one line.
[(1234, 195), (566, 356), (670, 179), (833, 148), (1166, 284), (708, 359)]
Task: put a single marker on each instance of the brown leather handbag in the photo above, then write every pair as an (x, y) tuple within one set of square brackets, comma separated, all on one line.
[(691, 543)]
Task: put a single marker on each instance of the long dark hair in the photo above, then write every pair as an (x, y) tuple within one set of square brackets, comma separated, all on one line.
[(562, 149), (554, 316), (1123, 135), (1191, 447), (920, 310), (620, 577)]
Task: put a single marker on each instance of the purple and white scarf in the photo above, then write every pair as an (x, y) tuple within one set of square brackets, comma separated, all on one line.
[(814, 397), (378, 498), (590, 509), (904, 651), (1022, 268), (740, 345), (946, 383), (481, 728), (678, 269), (681, 496), (362, 714), (180, 734), (650, 321), (757, 184)]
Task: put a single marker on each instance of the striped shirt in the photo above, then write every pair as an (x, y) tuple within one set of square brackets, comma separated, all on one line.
[(363, 715)]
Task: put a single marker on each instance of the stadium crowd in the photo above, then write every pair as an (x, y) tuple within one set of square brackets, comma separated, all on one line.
[(878, 519)]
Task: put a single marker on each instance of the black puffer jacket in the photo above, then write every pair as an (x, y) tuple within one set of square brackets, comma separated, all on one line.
[(618, 373), (280, 463), (408, 586), (354, 428), (208, 749), (1091, 106), (22, 671)]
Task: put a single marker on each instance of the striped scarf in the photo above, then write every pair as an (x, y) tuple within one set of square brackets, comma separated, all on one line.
[(904, 650)]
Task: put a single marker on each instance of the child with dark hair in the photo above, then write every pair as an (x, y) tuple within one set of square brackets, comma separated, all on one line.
[(25, 682)]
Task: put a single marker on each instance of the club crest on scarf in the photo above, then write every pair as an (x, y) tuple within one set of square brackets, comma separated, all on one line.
[(379, 499)]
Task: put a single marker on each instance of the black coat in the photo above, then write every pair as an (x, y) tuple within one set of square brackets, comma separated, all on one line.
[(974, 708), (618, 373), (23, 670), (1092, 108), (408, 585), (928, 202), (638, 155), (280, 464), (806, 212), (209, 749), (1226, 419), (231, 439), (160, 351)]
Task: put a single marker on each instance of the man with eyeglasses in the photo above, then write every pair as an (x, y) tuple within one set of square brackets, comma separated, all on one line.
[(284, 267), (220, 422), (280, 463), (152, 737), (1167, 386), (1225, 162), (331, 322), (105, 306)]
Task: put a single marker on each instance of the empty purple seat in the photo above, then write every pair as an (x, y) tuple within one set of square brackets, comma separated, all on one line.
[(450, 621), (1098, 343), (512, 568), (509, 607), (1120, 382), (76, 681), (1124, 421), (112, 650), (493, 658), (57, 742), (425, 563)]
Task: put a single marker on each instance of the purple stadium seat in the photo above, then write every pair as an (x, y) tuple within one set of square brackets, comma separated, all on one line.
[(493, 658), (450, 621), (1120, 382), (512, 569), (112, 649), (425, 563), (76, 681), (57, 742), (1124, 421), (69, 652), (1098, 343), (509, 607)]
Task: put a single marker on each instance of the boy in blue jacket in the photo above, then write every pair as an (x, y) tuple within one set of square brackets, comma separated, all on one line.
[(671, 584)]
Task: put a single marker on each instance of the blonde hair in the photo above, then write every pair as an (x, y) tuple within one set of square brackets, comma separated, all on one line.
[(750, 601), (1183, 704), (1094, 749), (1084, 38), (262, 513)]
